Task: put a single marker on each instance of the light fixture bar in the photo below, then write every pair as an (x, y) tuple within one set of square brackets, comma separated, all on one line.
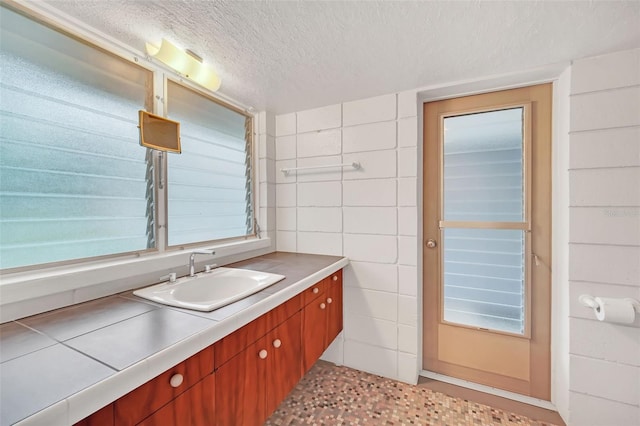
[(186, 63)]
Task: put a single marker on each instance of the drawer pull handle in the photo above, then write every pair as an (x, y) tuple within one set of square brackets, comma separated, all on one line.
[(277, 343), (176, 380), (262, 354), (315, 290), (322, 306), (329, 300), (335, 278)]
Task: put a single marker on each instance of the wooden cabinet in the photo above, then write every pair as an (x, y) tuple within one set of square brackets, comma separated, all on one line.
[(254, 382), (284, 364), (321, 319), (239, 394), (194, 407), (153, 395), (102, 417), (253, 370)]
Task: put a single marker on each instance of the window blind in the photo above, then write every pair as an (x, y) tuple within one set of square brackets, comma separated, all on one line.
[(74, 182), (209, 183)]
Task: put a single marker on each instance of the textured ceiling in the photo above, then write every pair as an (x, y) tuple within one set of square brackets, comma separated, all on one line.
[(288, 56)]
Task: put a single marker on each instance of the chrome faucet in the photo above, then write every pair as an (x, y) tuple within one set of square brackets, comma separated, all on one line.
[(192, 260)]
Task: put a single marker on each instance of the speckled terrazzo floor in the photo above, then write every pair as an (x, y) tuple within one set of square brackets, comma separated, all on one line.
[(332, 395)]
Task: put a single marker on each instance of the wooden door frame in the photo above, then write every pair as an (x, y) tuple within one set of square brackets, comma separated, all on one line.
[(537, 389)]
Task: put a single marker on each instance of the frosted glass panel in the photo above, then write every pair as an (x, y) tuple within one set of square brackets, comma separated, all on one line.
[(73, 179), (483, 178), (210, 182), (484, 278)]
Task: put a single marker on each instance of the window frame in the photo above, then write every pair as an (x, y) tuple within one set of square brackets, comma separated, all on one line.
[(163, 223), (155, 103)]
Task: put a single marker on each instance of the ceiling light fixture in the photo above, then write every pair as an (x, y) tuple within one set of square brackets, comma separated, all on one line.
[(186, 63)]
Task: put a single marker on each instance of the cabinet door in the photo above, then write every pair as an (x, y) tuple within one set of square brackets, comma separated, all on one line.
[(334, 307), (195, 407), (314, 330), (240, 388), (284, 364)]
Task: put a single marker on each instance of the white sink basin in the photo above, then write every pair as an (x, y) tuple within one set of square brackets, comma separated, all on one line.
[(208, 291)]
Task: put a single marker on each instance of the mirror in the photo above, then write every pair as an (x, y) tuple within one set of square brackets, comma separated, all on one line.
[(159, 133)]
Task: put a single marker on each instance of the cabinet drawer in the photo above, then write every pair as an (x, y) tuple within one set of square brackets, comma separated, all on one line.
[(315, 291), (236, 342), (141, 402), (278, 315), (195, 407)]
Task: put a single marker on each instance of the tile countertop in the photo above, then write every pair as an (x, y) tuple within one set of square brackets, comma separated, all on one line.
[(58, 367)]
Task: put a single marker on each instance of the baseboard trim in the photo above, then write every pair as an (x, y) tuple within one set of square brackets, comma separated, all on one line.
[(490, 390)]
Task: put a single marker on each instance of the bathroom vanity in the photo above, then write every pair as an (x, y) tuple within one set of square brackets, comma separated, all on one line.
[(162, 365)]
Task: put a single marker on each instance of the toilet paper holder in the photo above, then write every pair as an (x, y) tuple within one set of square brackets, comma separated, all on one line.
[(590, 302)]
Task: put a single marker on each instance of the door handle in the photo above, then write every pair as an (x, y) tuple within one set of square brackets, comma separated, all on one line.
[(431, 243)]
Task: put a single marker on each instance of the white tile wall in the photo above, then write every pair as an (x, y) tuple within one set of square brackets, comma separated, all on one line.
[(329, 117), (369, 137), (604, 237), (371, 303), (285, 147), (372, 276), (320, 194), (407, 339), (407, 310), (285, 178), (595, 411), (286, 241), (286, 218), (408, 132), (368, 215), (408, 367), (606, 148), (407, 104), (408, 280), (370, 330), (407, 163), (605, 109), (407, 192), (374, 165), (407, 220), (320, 219), (606, 342), (371, 220), (316, 144), (371, 110), (319, 175), (407, 251), (320, 243), (373, 192), (371, 248), (372, 359), (620, 69), (286, 124), (617, 382), (286, 195)]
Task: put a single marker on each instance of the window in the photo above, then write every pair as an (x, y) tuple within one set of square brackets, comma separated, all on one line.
[(75, 182), (73, 178), (209, 183)]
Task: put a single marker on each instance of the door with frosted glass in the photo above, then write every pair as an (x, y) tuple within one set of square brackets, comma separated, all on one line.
[(487, 236)]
